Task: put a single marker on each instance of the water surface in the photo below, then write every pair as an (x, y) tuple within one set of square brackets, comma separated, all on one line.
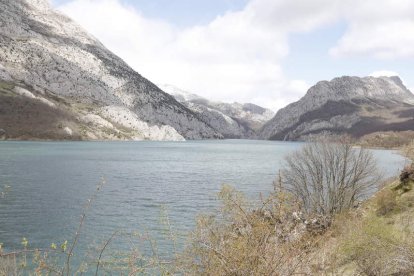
[(51, 181)]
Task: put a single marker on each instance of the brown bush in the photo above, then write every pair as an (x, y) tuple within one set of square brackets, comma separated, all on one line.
[(407, 174), (269, 239), (386, 202), (329, 178)]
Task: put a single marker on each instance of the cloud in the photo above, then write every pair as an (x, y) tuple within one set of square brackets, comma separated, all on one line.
[(238, 55), (292, 15), (381, 29), (384, 73)]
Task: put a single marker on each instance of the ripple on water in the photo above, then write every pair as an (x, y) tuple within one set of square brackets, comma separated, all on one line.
[(52, 181)]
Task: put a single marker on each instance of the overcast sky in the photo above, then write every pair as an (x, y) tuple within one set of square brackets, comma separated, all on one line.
[(267, 52)]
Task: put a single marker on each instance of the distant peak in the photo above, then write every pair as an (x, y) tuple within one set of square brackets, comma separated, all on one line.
[(396, 79), (349, 87), (393, 78), (179, 94)]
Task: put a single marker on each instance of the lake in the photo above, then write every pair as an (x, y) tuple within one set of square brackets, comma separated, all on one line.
[(51, 181)]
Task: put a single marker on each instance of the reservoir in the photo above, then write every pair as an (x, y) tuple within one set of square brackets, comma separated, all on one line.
[(50, 182)]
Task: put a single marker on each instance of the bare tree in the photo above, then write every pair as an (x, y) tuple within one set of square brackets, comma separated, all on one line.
[(328, 178)]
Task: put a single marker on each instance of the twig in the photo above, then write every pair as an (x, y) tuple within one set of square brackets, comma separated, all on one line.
[(15, 253), (103, 249), (77, 234)]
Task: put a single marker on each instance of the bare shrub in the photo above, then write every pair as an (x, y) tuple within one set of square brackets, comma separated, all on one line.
[(406, 179), (9, 266), (386, 202), (329, 178), (57, 260), (4, 191), (241, 239), (408, 150)]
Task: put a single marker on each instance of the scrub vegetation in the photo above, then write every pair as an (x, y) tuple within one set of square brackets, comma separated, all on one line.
[(320, 219)]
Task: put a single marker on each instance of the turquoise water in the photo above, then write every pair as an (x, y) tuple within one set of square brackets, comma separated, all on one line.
[(51, 181)]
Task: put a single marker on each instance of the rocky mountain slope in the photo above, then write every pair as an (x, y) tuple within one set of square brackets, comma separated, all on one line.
[(352, 105), (232, 120), (58, 82)]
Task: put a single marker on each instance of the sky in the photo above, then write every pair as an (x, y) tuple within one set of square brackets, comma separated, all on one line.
[(267, 52)]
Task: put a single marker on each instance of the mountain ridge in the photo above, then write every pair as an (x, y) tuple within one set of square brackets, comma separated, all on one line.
[(49, 64), (233, 120), (48, 54), (344, 105)]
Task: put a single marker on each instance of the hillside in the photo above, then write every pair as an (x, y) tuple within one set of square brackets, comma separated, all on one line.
[(61, 83), (351, 105)]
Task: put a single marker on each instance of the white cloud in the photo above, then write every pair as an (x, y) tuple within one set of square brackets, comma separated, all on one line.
[(292, 15), (238, 55), (379, 28), (384, 73)]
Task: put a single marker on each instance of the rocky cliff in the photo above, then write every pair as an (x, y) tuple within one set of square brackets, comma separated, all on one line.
[(232, 120), (63, 83), (352, 105)]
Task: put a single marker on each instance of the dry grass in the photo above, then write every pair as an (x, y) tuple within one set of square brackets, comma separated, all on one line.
[(269, 238), (274, 237), (387, 139)]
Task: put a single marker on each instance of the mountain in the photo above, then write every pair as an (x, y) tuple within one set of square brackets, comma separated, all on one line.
[(352, 105), (58, 82), (231, 120)]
